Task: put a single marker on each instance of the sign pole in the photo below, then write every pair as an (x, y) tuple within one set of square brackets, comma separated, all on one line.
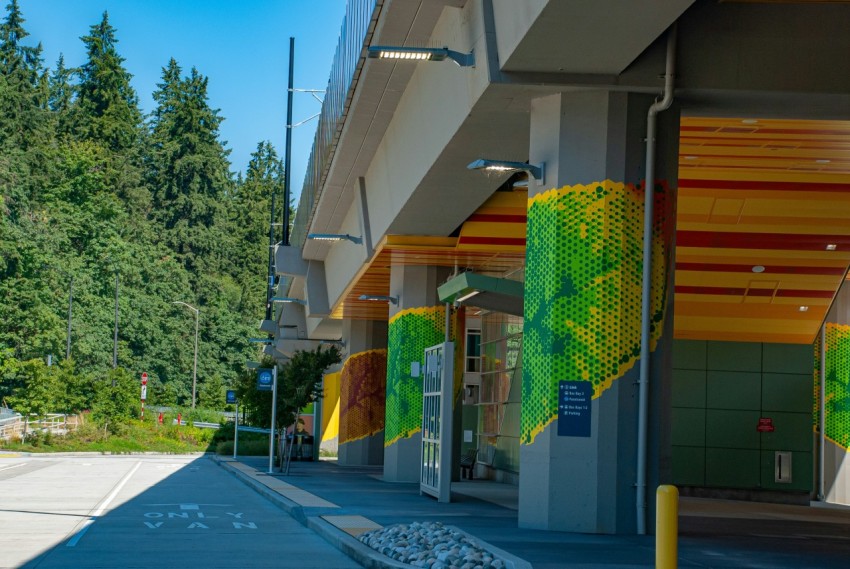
[(274, 408), (236, 431), (144, 393)]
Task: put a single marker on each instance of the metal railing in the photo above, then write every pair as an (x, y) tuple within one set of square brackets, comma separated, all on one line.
[(357, 29), (19, 427)]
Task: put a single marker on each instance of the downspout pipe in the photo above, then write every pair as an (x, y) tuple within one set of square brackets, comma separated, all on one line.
[(822, 415), (645, 336)]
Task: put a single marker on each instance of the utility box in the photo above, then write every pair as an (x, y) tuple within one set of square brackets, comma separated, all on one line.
[(782, 467)]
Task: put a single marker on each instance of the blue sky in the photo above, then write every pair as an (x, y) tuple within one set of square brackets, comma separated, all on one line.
[(243, 47)]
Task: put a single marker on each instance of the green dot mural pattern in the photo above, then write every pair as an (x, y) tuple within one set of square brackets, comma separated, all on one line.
[(583, 290), (837, 400), (410, 332)]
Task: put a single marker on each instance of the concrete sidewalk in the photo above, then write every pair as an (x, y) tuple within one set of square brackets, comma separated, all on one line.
[(340, 502)]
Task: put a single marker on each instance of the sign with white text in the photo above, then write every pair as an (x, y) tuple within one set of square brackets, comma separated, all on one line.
[(264, 380), (574, 408)]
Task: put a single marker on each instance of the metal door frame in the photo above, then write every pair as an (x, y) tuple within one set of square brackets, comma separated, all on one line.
[(437, 394)]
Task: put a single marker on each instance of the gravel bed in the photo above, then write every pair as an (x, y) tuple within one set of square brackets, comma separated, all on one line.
[(431, 545)]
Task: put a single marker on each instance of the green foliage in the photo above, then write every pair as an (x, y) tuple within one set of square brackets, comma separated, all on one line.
[(299, 383), (94, 201), (133, 437), (116, 400)]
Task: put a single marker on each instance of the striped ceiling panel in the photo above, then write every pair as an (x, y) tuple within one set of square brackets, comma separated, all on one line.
[(763, 227), (491, 242)]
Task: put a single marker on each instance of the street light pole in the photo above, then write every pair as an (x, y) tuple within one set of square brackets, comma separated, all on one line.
[(115, 335), (70, 312), (195, 364)]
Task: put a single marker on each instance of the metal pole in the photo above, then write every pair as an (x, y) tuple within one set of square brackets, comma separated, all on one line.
[(115, 334), (195, 363), (271, 260), (70, 310), (288, 155), (274, 408), (236, 431), (646, 288)]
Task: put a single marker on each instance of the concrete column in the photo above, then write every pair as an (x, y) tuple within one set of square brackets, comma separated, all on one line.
[(582, 310), (416, 322), (363, 382)]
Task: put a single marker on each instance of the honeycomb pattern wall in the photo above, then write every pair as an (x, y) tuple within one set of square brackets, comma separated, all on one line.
[(410, 332), (362, 398), (837, 407), (583, 291)]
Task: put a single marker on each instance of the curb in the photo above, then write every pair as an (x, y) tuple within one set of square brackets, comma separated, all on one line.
[(344, 542)]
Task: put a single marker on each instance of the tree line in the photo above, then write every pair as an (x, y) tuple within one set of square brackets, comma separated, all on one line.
[(95, 192)]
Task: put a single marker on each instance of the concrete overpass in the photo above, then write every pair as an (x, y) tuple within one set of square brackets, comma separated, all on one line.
[(750, 239)]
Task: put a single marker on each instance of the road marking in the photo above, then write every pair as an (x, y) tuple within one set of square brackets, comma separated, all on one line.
[(12, 466), (188, 506), (88, 523)]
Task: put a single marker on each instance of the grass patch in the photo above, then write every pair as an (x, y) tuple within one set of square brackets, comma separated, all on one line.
[(134, 437)]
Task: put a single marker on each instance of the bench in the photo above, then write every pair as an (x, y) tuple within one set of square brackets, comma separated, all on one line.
[(467, 464)]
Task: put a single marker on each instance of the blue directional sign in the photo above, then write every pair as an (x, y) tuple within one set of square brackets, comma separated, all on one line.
[(231, 397), (574, 408), (264, 380)]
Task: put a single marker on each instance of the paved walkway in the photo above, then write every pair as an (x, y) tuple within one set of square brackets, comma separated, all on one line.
[(340, 502)]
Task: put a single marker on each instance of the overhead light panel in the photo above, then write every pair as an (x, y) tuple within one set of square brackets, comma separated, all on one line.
[(467, 296), (536, 171), (379, 298), (288, 299), (421, 54), (334, 237)]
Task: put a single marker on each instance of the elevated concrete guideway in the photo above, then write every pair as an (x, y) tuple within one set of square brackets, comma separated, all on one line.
[(750, 238)]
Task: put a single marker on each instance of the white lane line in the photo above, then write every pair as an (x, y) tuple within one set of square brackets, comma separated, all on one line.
[(12, 466), (79, 535)]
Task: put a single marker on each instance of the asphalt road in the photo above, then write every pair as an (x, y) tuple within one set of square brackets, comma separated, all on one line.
[(145, 511)]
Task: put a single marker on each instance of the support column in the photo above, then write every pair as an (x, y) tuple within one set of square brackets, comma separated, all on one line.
[(416, 322), (363, 382), (582, 311)]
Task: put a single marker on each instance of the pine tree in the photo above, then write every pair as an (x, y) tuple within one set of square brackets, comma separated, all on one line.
[(24, 120), (189, 170), (107, 107), (251, 206)]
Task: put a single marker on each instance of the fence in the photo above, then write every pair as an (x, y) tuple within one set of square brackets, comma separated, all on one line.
[(18, 427)]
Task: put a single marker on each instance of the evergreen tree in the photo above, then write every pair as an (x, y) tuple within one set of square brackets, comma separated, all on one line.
[(107, 107), (24, 121), (250, 220), (189, 170)]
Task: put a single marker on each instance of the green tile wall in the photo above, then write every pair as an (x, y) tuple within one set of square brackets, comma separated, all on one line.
[(720, 391)]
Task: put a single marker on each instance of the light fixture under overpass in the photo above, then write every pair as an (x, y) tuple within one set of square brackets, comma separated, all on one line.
[(421, 54), (288, 299), (490, 293), (536, 171), (379, 298), (334, 237)]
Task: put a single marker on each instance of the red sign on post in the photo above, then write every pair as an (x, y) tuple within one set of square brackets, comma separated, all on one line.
[(765, 425), (144, 378)]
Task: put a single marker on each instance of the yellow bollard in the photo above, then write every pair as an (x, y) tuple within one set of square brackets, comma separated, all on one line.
[(666, 527)]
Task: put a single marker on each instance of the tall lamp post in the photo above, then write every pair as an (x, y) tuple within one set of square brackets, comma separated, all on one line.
[(195, 364), (70, 310), (115, 332)]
